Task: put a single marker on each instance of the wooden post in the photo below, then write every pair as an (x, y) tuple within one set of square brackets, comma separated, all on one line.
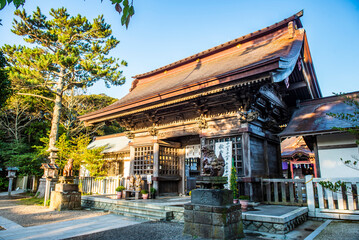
[(132, 158), (156, 152), (291, 169), (310, 193)]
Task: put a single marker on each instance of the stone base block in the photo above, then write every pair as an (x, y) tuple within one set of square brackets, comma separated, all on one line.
[(64, 187), (215, 222), (69, 199)]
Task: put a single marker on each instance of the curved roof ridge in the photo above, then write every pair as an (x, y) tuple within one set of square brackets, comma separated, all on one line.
[(222, 46)]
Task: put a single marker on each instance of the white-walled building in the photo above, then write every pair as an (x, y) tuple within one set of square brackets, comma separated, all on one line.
[(331, 146)]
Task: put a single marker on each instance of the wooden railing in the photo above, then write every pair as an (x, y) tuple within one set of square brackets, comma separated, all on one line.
[(283, 191), (343, 203)]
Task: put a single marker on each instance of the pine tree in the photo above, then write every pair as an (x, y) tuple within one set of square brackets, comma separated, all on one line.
[(68, 53)]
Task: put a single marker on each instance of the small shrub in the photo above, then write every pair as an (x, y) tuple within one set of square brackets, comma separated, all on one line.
[(153, 190), (120, 188), (243, 197), (144, 191)]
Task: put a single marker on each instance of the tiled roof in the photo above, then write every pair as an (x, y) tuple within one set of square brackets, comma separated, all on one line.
[(278, 44), (312, 116)]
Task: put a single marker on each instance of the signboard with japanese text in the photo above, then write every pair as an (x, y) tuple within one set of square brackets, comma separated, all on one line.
[(225, 148)]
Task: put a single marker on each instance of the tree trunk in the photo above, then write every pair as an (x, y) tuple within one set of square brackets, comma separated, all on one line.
[(56, 115)]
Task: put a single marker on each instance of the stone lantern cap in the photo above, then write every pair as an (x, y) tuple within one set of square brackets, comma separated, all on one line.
[(12, 169)]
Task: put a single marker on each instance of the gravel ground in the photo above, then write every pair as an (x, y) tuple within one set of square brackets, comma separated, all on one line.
[(340, 230), (32, 215), (147, 231)]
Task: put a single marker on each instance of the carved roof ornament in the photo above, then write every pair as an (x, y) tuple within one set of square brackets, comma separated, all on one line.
[(153, 130), (129, 134), (246, 116), (202, 122)]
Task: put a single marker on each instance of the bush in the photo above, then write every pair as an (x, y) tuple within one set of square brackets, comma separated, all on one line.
[(144, 191), (153, 190), (120, 188), (233, 183)]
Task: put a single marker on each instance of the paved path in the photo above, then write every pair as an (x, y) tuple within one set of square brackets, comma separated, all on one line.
[(12, 192), (68, 229)]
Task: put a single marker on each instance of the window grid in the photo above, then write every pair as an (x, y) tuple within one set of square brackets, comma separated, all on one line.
[(168, 161), (143, 162), (236, 150)]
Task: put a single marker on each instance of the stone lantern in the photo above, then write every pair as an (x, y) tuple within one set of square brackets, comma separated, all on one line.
[(11, 175)]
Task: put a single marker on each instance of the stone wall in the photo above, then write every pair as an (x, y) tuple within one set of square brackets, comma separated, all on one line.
[(277, 228)]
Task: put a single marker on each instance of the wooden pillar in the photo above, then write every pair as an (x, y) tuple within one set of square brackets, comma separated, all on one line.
[(265, 157), (316, 155), (291, 169), (132, 158), (156, 153), (182, 155), (247, 170)]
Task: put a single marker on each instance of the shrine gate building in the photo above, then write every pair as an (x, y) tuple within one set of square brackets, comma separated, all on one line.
[(240, 92)]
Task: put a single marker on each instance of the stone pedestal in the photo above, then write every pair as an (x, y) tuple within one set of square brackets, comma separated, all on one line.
[(212, 214), (65, 197)]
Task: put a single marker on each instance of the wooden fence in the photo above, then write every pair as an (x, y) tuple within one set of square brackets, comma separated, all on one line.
[(107, 185), (341, 204), (283, 191)]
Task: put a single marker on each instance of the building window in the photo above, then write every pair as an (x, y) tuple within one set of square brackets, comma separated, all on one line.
[(168, 161), (237, 155), (143, 162)]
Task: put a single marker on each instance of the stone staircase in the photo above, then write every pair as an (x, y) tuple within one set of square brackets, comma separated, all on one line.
[(132, 209), (146, 213)]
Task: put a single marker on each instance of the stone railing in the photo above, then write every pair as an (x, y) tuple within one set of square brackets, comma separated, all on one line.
[(342, 203), (283, 191)]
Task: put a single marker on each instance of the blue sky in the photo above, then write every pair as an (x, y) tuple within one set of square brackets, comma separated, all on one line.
[(164, 31)]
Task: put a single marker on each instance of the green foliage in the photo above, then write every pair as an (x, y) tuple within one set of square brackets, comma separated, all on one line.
[(120, 188), (5, 84), (69, 53), (338, 186), (76, 148), (144, 191), (18, 154), (17, 3), (233, 182), (243, 197), (153, 190), (32, 201), (121, 6)]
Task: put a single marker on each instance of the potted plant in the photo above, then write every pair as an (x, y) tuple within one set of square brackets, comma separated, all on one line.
[(144, 194), (119, 190), (153, 192), (233, 185), (244, 202)]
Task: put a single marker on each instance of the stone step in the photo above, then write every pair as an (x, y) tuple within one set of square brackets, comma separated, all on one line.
[(167, 215), (138, 215)]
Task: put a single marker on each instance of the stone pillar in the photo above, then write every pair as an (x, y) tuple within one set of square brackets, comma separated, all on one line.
[(212, 214), (11, 179), (156, 153)]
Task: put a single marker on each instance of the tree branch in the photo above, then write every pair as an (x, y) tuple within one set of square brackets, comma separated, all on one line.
[(35, 95)]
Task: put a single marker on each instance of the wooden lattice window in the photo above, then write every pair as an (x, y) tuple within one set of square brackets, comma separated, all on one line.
[(143, 162), (237, 154), (168, 161)]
